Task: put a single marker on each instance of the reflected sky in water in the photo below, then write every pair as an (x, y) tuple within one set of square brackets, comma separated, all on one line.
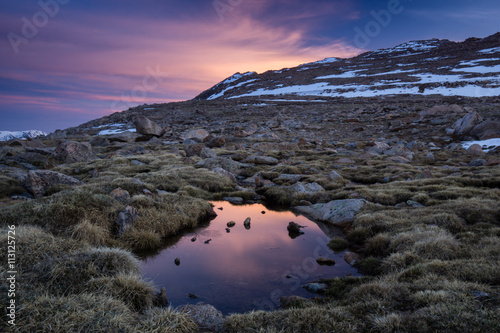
[(244, 269)]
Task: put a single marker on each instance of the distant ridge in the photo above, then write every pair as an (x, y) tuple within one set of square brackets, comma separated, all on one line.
[(427, 67), (31, 134)]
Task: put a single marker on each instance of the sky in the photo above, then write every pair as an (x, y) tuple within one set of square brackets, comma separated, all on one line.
[(65, 62)]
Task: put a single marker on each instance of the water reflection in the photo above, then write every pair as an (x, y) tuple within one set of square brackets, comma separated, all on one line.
[(247, 268)]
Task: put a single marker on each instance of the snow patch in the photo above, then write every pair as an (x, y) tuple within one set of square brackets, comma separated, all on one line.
[(491, 51), (487, 145)]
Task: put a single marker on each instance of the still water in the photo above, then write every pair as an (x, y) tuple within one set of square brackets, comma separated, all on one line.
[(247, 268)]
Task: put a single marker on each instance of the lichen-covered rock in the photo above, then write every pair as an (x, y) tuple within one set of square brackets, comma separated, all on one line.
[(206, 316), (339, 212), (126, 219), (73, 152), (466, 124), (146, 126), (39, 181)]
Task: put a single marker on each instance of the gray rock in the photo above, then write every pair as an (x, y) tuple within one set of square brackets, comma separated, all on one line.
[(307, 188), (475, 150), (222, 162), (486, 130), (477, 163), (120, 195), (99, 141), (146, 126), (126, 219), (289, 177), (198, 134), (224, 173), (39, 181), (193, 149), (334, 176), (126, 136), (466, 124), (72, 152), (258, 159), (339, 212), (430, 158), (234, 200), (207, 153), (206, 316)]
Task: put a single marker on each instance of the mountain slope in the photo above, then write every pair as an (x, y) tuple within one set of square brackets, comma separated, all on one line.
[(470, 68)]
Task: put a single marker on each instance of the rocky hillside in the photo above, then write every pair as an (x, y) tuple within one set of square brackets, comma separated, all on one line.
[(420, 173), (429, 67)]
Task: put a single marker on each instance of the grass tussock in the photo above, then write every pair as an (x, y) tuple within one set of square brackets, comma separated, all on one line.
[(166, 321), (312, 319)]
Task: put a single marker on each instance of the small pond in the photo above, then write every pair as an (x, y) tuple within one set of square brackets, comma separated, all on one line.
[(241, 269)]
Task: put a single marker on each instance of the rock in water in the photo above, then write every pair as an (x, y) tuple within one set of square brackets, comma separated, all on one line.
[(325, 262), (247, 223), (206, 316), (294, 228), (145, 126), (177, 261)]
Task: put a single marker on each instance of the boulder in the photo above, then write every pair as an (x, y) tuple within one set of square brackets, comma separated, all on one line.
[(334, 176), (73, 152), (258, 159), (39, 181), (442, 111), (99, 141), (193, 149), (340, 213), (466, 124), (145, 126), (207, 153), (126, 219), (233, 200), (475, 150), (216, 142), (198, 134), (221, 162), (307, 188), (486, 130), (126, 136), (206, 316), (120, 195), (477, 163), (292, 178)]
